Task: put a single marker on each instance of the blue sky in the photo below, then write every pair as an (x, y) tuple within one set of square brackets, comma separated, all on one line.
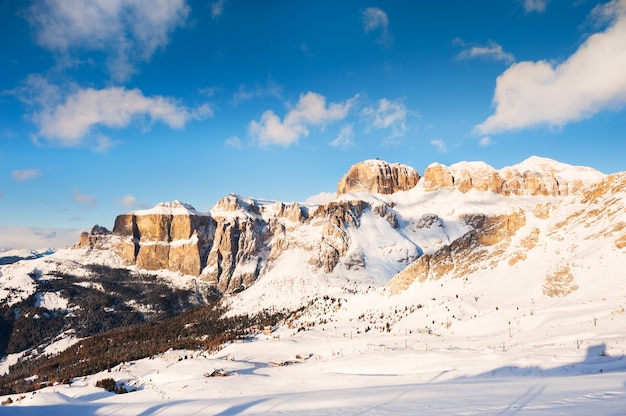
[(108, 106)]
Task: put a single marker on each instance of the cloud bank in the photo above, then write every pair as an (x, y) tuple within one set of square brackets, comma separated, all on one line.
[(17, 237), (530, 94)]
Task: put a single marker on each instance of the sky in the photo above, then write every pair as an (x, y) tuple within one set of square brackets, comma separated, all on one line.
[(109, 106)]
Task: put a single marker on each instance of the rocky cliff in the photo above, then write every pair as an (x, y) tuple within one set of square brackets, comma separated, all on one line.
[(378, 177)]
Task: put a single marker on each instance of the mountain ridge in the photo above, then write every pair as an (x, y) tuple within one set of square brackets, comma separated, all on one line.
[(239, 239)]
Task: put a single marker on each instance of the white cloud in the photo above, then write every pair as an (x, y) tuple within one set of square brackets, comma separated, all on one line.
[(234, 142), (389, 114), (87, 201), (538, 6), (128, 201), (217, 8), (69, 121), (440, 145), (345, 137), (22, 175), (128, 32), (591, 80), (375, 18), (485, 141), (311, 110), (492, 50)]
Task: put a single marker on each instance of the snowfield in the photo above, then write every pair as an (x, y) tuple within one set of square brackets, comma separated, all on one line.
[(388, 375)]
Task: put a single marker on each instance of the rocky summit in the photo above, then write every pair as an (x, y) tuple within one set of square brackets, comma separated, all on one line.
[(378, 177)]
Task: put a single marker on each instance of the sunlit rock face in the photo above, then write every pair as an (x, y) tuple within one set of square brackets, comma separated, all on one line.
[(378, 177)]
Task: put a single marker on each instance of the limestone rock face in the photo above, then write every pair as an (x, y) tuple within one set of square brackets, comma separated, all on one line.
[(378, 177), (170, 236), (235, 257), (534, 176)]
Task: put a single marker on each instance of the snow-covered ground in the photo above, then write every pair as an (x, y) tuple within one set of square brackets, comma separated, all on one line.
[(327, 373)]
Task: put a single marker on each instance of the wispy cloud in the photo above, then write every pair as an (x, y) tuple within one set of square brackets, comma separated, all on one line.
[(485, 141), (306, 50), (234, 142), (245, 93), (542, 93), (87, 201), (22, 175), (345, 137), (374, 19), (217, 8), (440, 145), (387, 114), (491, 51), (538, 6), (311, 110), (127, 32), (72, 119), (128, 202), (208, 91)]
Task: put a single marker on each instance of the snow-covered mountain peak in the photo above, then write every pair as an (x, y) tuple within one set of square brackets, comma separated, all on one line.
[(168, 208), (542, 165)]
